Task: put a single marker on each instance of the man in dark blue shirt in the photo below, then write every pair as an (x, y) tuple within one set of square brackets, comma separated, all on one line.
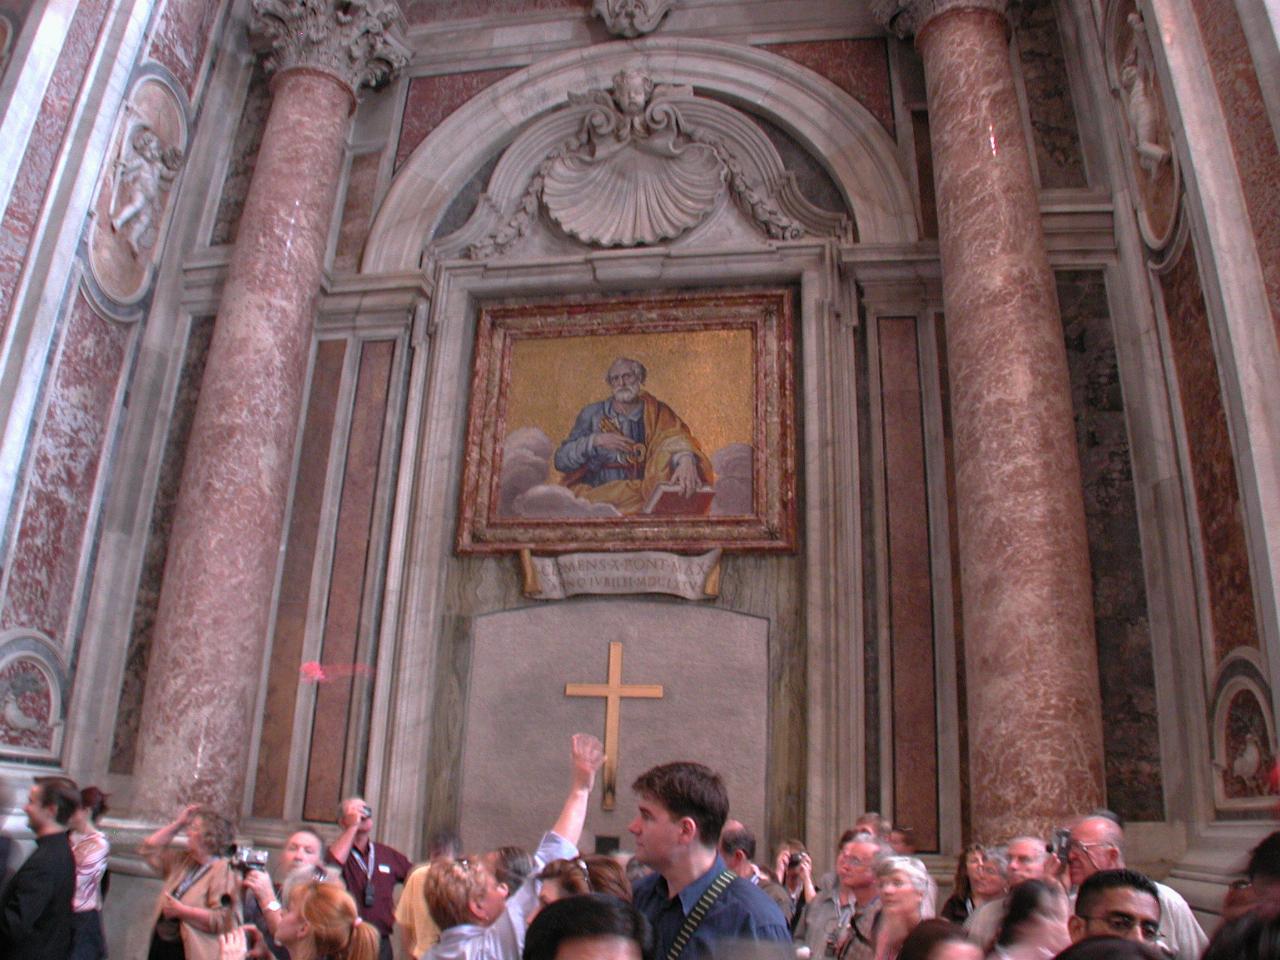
[(682, 809)]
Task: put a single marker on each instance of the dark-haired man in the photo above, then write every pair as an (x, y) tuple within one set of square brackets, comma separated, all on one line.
[(682, 810), (1097, 843), (738, 847), (1116, 903), (35, 906)]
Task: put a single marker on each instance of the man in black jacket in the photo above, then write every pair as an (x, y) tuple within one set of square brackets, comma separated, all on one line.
[(35, 906)]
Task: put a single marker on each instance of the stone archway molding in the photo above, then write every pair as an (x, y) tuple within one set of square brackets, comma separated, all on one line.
[(835, 128)]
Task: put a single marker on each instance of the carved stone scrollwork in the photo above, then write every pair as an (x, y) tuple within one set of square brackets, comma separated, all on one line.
[(631, 18), (905, 18), (358, 42), (637, 173)]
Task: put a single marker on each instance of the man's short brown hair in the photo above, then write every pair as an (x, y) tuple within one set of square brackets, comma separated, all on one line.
[(689, 790), (60, 793), (449, 888)]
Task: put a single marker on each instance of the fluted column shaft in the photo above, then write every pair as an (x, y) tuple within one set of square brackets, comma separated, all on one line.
[(216, 597), (1034, 709)]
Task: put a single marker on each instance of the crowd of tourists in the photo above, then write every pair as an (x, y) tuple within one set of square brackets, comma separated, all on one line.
[(692, 890)]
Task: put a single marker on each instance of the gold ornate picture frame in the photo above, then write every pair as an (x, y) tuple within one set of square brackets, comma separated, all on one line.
[(662, 422)]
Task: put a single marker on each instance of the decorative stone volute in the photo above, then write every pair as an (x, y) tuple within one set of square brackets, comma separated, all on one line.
[(631, 18), (905, 18), (358, 42)]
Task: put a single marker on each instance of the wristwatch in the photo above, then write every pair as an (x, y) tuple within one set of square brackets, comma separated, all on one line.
[(273, 906)]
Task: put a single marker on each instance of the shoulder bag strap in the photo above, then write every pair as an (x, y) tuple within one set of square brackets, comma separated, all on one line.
[(691, 922)]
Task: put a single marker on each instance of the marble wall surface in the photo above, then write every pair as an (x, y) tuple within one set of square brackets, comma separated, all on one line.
[(18, 224), (1213, 470), (44, 570), (1253, 141), (180, 39), (1059, 159), (244, 156), (1131, 736), (431, 99), (858, 67), (129, 713)]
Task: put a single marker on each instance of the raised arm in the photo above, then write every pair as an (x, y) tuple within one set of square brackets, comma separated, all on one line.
[(340, 849), (154, 845), (587, 755)]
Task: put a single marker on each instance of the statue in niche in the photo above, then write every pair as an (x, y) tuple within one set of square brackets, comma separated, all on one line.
[(143, 173), (636, 173), (1137, 81)]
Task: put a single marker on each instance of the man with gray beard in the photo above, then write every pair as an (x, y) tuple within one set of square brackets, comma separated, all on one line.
[(622, 448)]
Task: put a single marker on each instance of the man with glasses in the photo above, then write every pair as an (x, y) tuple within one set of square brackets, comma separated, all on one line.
[(1097, 844), (846, 910), (1117, 903), (370, 870)]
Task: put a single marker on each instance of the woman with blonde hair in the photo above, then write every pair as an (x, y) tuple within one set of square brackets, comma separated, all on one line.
[(201, 892), (320, 921)]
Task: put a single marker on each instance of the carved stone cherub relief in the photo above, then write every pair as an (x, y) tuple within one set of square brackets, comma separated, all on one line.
[(1153, 164), (637, 173), (136, 189), (144, 171)]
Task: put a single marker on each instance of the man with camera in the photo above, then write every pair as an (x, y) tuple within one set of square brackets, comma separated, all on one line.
[(848, 908), (370, 870), (300, 861)]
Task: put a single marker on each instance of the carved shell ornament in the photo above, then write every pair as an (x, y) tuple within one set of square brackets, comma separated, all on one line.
[(636, 173), (638, 179)]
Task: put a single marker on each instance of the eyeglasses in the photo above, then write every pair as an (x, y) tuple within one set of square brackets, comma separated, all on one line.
[(1121, 923), (1086, 847), (854, 861)]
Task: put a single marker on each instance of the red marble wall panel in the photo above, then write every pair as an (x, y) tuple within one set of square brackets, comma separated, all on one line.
[(431, 99), (915, 735), (339, 697), (295, 581), (1213, 467), (432, 11), (32, 182), (181, 36), (357, 211), (129, 712), (67, 450), (1252, 139), (244, 158), (858, 67)]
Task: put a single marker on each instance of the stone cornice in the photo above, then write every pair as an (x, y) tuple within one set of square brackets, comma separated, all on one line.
[(906, 18), (357, 42)]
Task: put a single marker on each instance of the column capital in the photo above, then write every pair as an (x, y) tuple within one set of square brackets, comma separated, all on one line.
[(906, 18), (357, 42)]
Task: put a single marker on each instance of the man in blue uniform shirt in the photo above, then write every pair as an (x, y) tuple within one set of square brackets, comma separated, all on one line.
[(682, 809)]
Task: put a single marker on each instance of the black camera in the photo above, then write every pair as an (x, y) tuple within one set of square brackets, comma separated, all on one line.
[(245, 858), (1061, 843), (795, 860)]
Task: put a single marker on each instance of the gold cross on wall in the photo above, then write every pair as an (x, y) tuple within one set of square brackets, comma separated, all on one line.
[(613, 692)]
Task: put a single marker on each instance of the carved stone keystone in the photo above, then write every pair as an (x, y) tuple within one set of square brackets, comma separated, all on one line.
[(631, 18)]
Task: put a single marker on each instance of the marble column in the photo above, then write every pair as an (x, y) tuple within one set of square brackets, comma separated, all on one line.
[(219, 577), (1034, 709)]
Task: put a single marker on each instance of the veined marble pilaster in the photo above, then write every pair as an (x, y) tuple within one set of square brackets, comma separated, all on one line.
[(218, 587), (1031, 661)]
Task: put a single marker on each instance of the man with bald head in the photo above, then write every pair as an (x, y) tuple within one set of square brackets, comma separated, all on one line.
[(738, 848), (1097, 844)]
